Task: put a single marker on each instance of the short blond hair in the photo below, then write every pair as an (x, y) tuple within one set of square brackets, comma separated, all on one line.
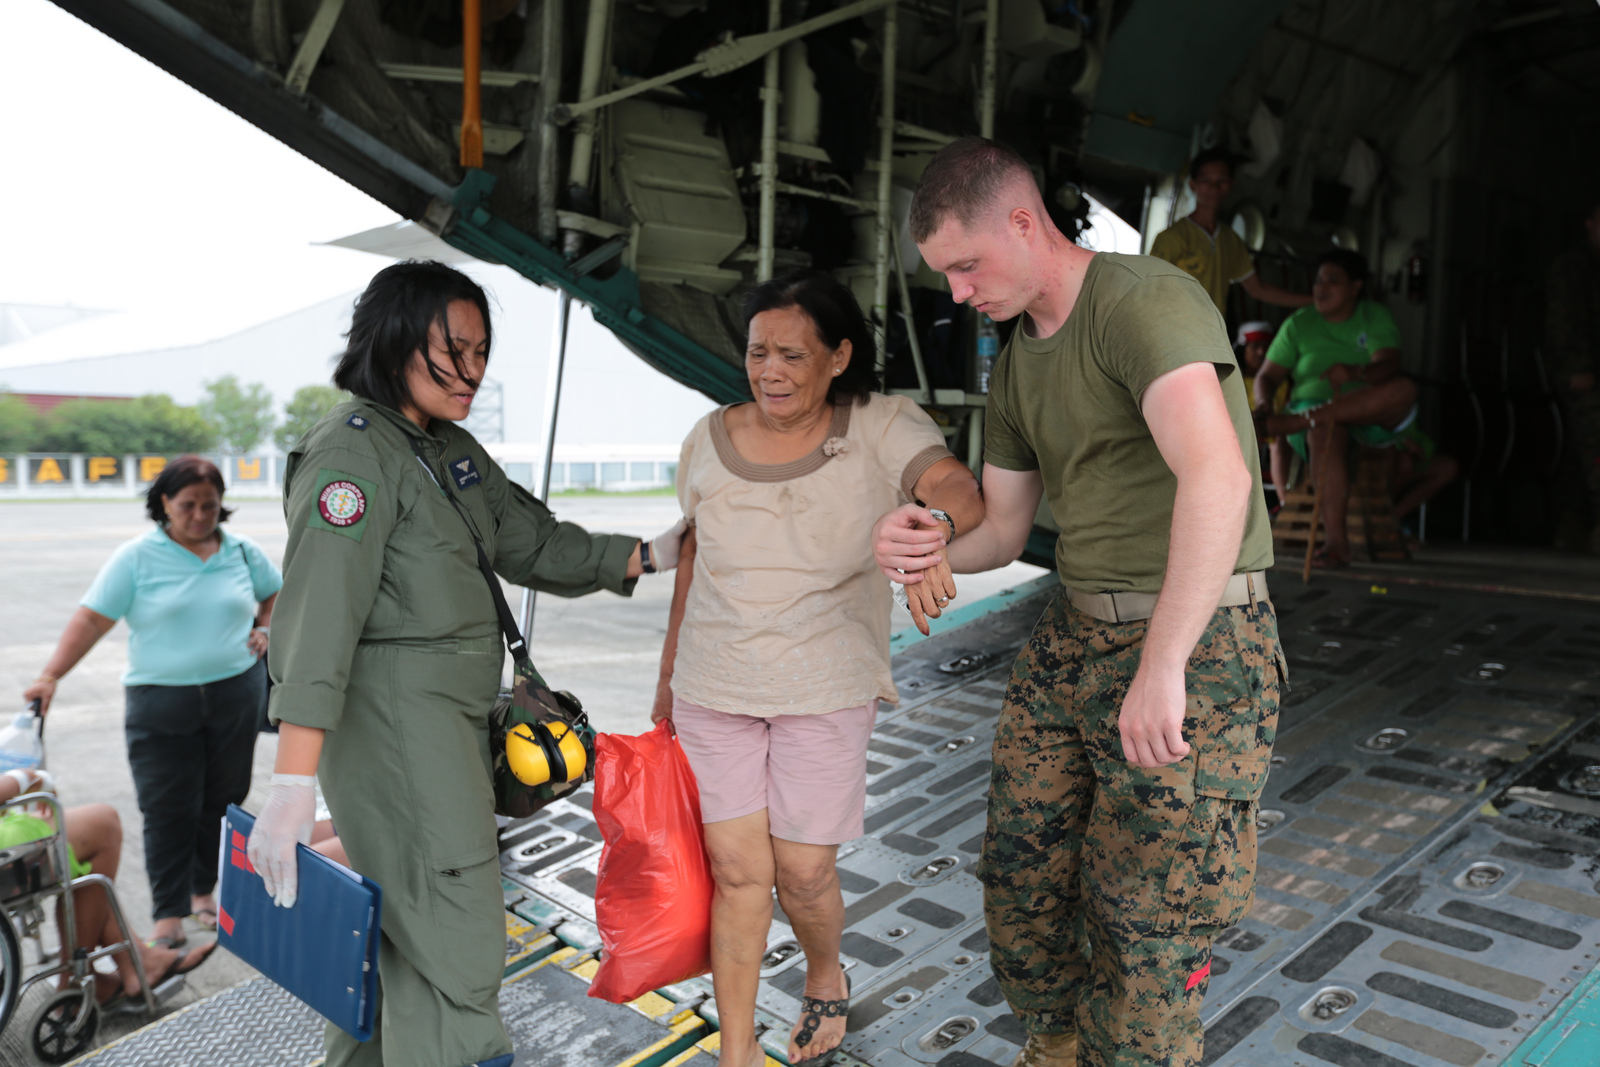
[(965, 178)]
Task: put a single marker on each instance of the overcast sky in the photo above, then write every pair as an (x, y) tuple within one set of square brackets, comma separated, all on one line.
[(123, 186), (127, 190)]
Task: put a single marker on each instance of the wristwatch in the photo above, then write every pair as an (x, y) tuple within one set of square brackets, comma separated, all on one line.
[(944, 517), (646, 564)]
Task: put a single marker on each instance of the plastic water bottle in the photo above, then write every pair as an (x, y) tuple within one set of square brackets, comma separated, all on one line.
[(21, 747), (988, 352)]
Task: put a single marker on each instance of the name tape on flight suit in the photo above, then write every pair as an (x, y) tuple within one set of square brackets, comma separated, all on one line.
[(465, 472)]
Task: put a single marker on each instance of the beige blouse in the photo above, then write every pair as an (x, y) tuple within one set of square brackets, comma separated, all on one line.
[(788, 614)]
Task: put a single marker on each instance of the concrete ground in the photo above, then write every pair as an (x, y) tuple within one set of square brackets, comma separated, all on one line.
[(603, 647)]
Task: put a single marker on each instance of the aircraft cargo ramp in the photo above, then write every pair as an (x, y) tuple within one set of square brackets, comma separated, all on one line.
[(1430, 844)]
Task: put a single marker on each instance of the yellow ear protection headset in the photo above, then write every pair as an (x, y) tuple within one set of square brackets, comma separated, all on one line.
[(543, 752)]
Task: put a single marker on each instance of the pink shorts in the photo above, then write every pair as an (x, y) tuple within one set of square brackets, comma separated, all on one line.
[(808, 771)]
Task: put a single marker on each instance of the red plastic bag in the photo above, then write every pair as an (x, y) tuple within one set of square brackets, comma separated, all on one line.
[(652, 900)]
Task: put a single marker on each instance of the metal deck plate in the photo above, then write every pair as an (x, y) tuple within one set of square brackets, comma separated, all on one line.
[(1398, 919), (254, 1024), (1429, 854)]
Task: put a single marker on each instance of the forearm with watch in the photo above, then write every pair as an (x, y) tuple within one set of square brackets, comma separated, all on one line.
[(661, 552)]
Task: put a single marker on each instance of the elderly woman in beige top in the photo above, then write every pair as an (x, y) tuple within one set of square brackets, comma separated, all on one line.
[(777, 651)]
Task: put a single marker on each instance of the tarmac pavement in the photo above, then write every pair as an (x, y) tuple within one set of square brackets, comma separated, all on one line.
[(603, 647)]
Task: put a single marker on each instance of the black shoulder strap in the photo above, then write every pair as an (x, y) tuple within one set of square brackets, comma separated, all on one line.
[(508, 621)]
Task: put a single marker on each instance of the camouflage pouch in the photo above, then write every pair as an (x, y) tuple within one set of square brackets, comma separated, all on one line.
[(530, 700)]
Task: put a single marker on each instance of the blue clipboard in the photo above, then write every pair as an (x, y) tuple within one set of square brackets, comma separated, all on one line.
[(324, 950)]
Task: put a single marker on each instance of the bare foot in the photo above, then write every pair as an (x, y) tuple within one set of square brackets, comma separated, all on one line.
[(827, 1031), (204, 909), (162, 963), (169, 931)]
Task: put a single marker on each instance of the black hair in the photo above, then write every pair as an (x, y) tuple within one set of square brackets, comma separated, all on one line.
[(1352, 263), (390, 325), (1207, 156), (177, 476), (834, 313)]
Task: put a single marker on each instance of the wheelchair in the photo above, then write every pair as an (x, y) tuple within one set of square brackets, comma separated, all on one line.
[(32, 876)]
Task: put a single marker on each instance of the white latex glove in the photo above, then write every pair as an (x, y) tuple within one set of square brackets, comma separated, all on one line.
[(664, 548), (284, 823)]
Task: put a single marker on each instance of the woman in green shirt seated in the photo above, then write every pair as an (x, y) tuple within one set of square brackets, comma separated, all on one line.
[(1343, 355)]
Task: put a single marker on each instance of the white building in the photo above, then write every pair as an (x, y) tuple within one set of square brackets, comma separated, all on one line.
[(614, 468)]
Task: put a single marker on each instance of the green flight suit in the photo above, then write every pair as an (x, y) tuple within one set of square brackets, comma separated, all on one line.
[(386, 637)]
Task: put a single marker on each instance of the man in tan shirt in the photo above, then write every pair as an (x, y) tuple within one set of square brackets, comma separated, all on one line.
[(1202, 245)]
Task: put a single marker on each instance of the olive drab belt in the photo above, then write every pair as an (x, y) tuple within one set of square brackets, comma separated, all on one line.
[(1249, 588)]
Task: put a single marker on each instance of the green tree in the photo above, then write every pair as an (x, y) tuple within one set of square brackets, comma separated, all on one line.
[(241, 415), (111, 427), (309, 404), (19, 424)]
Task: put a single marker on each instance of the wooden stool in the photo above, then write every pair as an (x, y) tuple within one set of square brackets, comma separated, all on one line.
[(1373, 529), (1371, 513)]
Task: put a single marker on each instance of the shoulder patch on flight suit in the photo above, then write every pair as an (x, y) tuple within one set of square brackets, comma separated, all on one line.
[(465, 472), (360, 422), (342, 502)]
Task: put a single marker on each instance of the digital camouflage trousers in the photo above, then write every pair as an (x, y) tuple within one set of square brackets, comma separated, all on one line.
[(1104, 883)]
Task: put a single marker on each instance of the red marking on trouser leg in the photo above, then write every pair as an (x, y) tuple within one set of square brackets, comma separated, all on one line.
[(1197, 977)]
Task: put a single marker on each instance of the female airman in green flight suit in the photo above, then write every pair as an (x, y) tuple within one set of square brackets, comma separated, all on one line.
[(388, 656)]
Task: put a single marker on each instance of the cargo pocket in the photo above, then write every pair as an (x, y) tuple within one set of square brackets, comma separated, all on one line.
[(469, 934), (1211, 882)]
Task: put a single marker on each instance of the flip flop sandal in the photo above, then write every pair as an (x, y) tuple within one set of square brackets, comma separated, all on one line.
[(200, 916), (170, 941), (177, 970), (812, 1012)]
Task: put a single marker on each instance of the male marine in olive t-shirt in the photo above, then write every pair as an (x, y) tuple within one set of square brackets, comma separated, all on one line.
[(1138, 724)]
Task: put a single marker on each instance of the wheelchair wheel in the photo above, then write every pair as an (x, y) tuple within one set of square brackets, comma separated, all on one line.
[(54, 1038), (10, 969)]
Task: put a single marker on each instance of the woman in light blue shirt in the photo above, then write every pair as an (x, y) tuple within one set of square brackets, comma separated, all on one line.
[(198, 601)]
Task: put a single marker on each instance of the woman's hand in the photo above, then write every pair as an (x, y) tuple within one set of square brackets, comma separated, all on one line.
[(927, 599), (257, 641), (662, 711), (1339, 375), (43, 690)]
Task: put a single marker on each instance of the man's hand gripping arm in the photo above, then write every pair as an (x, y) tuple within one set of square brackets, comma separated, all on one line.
[(904, 547), (1189, 421)]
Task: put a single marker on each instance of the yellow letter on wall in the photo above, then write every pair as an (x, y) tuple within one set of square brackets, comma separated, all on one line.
[(150, 466), (49, 471), (249, 470), (102, 467)]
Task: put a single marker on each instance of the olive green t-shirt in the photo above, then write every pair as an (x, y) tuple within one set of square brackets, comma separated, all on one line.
[(1068, 406)]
